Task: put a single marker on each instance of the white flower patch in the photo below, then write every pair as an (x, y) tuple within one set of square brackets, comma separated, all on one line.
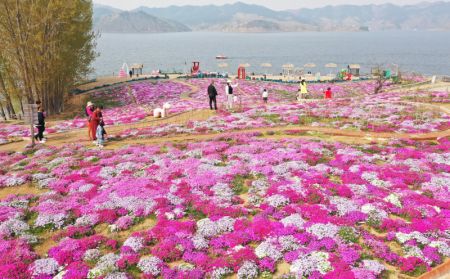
[(135, 243), (91, 255), (419, 237), (13, 227), (269, 248), (374, 212), (294, 220), (277, 200), (343, 205), (207, 228), (14, 181), (200, 242), (374, 266), (439, 181), (55, 219), (117, 275), (56, 162), (414, 251), (323, 230), (87, 220), (372, 178), (47, 266), (223, 192), (105, 265), (249, 270), (150, 265), (394, 199), (316, 261), (443, 248), (107, 173), (257, 191), (221, 272), (438, 158), (360, 190)]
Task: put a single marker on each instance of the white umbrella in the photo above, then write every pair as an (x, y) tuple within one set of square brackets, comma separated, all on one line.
[(266, 65), (245, 65), (223, 65), (288, 66), (310, 65)]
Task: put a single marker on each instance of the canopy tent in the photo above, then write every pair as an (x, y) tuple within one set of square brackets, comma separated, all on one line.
[(288, 69), (354, 69), (137, 69), (331, 66)]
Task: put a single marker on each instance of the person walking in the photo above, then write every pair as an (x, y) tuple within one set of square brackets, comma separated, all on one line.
[(131, 73), (212, 93), (89, 111), (265, 95), (229, 88), (41, 125), (97, 116), (328, 94)]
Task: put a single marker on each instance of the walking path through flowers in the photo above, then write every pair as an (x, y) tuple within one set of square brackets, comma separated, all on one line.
[(355, 187)]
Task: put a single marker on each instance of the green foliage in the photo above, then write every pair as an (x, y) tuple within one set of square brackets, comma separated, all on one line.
[(194, 213), (266, 275), (348, 235), (238, 184), (274, 118)]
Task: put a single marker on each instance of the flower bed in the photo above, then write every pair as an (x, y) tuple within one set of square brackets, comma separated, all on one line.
[(234, 205)]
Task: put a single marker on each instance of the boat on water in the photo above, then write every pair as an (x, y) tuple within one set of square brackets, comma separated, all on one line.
[(221, 57)]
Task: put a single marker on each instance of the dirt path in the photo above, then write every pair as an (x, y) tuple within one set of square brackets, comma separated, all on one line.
[(327, 134)]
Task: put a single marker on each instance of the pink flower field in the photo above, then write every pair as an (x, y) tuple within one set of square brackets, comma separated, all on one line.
[(239, 203)]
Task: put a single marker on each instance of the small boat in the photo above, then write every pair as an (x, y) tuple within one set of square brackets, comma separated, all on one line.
[(221, 57)]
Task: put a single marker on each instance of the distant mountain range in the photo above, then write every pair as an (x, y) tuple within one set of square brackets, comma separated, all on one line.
[(241, 17)]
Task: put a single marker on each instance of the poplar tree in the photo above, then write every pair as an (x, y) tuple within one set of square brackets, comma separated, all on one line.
[(47, 47)]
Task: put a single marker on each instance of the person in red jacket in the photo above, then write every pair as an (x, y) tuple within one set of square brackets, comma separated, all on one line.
[(95, 121), (328, 93)]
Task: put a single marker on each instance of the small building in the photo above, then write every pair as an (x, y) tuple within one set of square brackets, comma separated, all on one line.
[(137, 69), (354, 69)]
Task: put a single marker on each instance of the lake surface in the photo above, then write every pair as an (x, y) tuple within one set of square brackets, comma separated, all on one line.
[(424, 52)]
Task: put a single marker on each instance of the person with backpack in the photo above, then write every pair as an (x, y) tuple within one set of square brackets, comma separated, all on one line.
[(212, 93), (89, 111), (41, 125)]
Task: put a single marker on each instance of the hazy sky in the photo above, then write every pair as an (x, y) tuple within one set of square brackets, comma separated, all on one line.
[(274, 4)]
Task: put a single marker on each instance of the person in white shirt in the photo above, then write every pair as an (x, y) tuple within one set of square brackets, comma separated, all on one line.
[(265, 95), (229, 88)]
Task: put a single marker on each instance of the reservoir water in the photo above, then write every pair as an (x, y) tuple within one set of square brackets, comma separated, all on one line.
[(424, 52)]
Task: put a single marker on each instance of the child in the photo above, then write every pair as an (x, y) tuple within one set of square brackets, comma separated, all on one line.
[(101, 132), (265, 95), (328, 93)]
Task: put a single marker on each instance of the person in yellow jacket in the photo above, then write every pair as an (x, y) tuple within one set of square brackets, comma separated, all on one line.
[(303, 90)]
